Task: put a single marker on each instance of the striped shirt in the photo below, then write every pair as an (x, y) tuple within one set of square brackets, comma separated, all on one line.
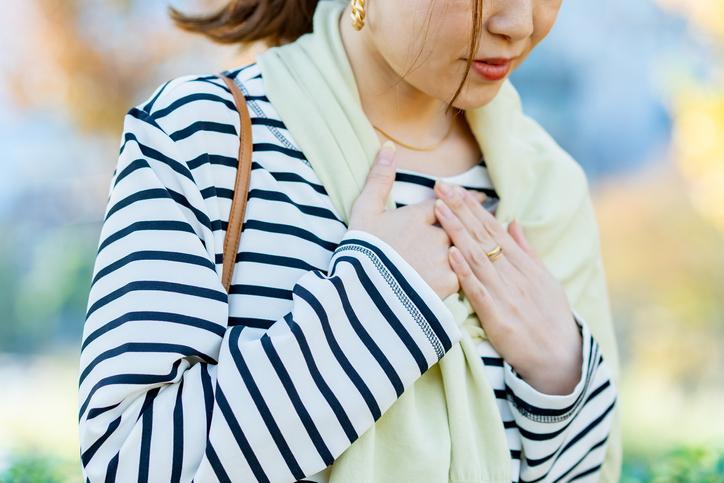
[(322, 330)]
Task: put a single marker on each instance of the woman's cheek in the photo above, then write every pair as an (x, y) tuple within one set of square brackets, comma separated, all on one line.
[(543, 21)]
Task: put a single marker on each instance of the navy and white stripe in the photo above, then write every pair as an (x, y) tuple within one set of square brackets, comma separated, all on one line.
[(322, 331)]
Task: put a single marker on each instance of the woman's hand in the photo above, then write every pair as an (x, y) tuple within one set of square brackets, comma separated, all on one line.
[(411, 230), (522, 307)]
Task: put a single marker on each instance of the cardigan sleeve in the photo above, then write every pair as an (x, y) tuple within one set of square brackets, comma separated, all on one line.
[(565, 436), (168, 391)]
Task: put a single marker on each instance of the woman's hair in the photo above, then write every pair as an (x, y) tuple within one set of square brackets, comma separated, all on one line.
[(277, 22)]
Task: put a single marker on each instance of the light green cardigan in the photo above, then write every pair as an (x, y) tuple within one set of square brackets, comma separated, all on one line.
[(427, 435)]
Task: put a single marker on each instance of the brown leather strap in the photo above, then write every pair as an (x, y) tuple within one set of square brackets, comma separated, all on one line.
[(241, 185)]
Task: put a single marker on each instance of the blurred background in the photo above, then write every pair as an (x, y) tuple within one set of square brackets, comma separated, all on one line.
[(633, 89)]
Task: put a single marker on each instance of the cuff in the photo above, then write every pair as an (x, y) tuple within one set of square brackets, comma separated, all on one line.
[(543, 407), (422, 307)]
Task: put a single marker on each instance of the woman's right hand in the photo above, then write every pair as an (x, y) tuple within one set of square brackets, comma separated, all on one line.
[(411, 230)]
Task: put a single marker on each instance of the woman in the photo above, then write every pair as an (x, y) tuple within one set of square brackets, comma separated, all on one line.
[(328, 323)]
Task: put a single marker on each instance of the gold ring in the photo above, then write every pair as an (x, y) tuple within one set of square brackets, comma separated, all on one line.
[(495, 253)]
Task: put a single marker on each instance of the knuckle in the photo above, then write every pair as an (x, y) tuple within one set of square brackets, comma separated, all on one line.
[(494, 227), (478, 235), (441, 237), (425, 209), (522, 294), (517, 311), (455, 202), (478, 258), (463, 269), (378, 172), (455, 227), (445, 239), (472, 198), (375, 176), (479, 292)]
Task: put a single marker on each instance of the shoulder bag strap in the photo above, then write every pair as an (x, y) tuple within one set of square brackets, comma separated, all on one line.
[(241, 185)]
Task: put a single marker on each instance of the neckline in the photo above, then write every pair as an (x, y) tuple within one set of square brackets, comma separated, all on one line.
[(481, 163)]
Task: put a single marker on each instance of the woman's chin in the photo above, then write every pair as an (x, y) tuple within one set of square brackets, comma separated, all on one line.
[(477, 96)]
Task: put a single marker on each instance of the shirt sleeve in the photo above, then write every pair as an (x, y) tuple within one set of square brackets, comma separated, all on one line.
[(168, 391), (564, 436)]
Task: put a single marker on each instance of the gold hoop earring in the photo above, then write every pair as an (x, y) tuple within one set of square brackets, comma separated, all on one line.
[(358, 14)]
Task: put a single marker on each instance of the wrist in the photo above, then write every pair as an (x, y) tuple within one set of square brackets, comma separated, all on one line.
[(556, 372), (557, 379)]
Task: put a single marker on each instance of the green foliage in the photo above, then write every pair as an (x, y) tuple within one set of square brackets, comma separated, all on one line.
[(33, 468), (691, 464), (44, 286), (682, 465)]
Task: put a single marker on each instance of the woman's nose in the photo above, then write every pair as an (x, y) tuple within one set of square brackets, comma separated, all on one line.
[(512, 19)]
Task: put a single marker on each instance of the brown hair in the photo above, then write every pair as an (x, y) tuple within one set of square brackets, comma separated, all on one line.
[(281, 21)]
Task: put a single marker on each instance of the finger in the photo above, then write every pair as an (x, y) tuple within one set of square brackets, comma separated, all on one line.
[(475, 290), (373, 197), (457, 201), (423, 211), (514, 253), (516, 232), (480, 236), (479, 263), (480, 195)]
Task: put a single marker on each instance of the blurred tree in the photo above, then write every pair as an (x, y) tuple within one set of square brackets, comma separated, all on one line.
[(93, 59), (699, 142), (706, 14), (699, 111)]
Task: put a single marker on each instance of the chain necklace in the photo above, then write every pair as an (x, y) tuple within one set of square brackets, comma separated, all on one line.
[(415, 148)]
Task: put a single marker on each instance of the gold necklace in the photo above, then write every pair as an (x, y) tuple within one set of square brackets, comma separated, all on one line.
[(415, 148)]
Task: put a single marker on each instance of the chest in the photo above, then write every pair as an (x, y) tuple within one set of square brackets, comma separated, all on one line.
[(456, 155), (291, 227)]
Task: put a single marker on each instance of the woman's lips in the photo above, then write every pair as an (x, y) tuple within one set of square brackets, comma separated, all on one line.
[(492, 69)]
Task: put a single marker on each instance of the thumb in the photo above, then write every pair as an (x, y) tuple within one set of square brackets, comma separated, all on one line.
[(379, 181)]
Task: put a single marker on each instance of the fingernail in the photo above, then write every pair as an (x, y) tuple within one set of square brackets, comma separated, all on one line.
[(387, 153)]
